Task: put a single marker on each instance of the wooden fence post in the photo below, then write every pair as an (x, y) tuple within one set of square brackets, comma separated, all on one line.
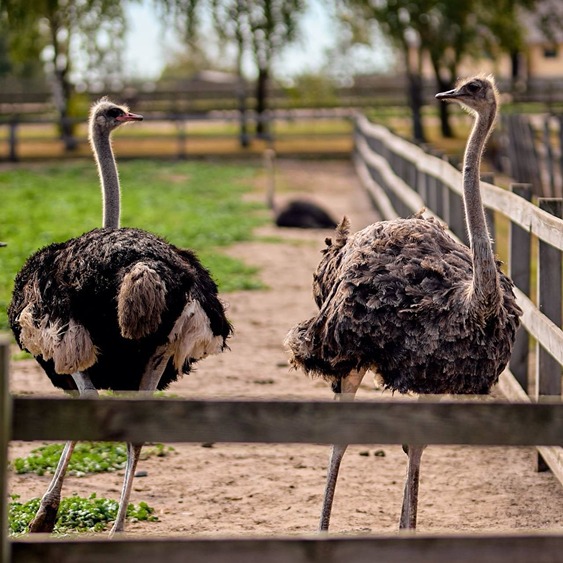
[(5, 432), (548, 370), (519, 261), (560, 119), (548, 375), (13, 140), (548, 151), (182, 137)]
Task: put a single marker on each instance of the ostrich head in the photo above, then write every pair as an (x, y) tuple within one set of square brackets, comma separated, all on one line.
[(105, 116), (473, 94)]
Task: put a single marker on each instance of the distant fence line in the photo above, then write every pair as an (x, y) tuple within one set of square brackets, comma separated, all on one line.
[(17, 132), (184, 96)]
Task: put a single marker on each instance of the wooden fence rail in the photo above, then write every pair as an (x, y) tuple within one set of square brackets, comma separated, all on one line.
[(401, 178), (182, 135), (388, 421)]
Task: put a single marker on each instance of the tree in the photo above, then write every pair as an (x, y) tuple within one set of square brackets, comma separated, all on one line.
[(395, 18), (272, 24), (447, 31), (61, 32), (260, 27)]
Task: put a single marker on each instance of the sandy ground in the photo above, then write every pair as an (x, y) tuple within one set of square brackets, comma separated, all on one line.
[(277, 489)]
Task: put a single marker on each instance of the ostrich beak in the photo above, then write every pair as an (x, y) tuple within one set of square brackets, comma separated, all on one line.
[(450, 94), (130, 117)]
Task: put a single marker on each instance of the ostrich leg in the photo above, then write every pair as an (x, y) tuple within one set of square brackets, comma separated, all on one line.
[(46, 516), (410, 496), (348, 387), (149, 382)]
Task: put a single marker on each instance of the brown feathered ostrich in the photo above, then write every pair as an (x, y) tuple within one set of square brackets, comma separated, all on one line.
[(297, 213), (116, 308), (404, 299)]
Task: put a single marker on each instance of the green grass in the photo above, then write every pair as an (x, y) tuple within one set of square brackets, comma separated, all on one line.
[(76, 514), (87, 457), (192, 204)]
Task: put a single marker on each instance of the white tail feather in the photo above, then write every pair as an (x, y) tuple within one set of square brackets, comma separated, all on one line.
[(191, 337), (69, 346)]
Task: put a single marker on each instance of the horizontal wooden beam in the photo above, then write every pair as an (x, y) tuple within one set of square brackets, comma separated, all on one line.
[(360, 422), (539, 548), (518, 210)]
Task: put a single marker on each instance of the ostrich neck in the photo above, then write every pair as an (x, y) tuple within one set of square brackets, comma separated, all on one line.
[(109, 179), (485, 286)]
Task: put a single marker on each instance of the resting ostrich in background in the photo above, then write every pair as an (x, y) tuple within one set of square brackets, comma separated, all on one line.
[(297, 213), (116, 308), (404, 299)]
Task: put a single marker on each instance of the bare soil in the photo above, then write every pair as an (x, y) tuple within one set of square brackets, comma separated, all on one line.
[(233, 489)]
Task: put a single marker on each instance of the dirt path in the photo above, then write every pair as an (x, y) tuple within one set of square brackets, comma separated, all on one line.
[(265, 489)]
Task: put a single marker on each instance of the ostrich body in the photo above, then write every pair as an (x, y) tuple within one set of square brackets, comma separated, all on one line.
[(404, 299), (299, 213), (116, 308)]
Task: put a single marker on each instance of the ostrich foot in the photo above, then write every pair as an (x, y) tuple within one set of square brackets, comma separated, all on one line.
[(45, 518)]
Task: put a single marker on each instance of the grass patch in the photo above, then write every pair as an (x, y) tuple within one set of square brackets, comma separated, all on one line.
[(76, 514), (192, 204), (87, 457)]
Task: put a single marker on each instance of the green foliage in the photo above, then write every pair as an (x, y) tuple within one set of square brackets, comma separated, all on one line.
[(191, 204), (92, 31), (76, 514), (87, 457), (312, 90)]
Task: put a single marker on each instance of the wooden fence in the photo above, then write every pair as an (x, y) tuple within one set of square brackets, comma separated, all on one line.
[(183, 135), (387, 165), (534, 149)]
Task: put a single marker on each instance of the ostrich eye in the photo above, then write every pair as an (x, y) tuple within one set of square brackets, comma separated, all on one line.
[(473, 87), (114, 112)]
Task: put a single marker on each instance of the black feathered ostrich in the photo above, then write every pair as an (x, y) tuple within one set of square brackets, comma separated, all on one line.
[(297, 213), (404, 299), (116, 308)]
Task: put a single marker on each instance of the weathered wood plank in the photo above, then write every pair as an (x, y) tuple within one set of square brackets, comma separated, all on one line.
[(5, 419), (409, 198), (490, 548), (376, 193), (526, 215), (548, 372), (540, 327), (519, 266), (513, 391), (480, 421)]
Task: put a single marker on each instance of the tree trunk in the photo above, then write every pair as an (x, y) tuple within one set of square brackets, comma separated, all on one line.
[(416, 102), (262, 126), (443, 86), (61, 86), (244, 138), (61, 94)]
